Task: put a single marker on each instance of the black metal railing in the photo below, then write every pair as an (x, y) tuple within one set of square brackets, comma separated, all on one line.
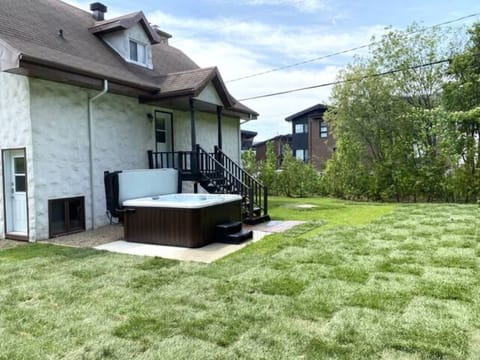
[(216, 170), (259, 191), (216, 174), (180, 160)]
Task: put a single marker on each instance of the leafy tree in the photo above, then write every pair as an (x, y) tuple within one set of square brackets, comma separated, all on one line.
[(268, 168), (461, 135), (249, 162), (386, 144), (296, 178)]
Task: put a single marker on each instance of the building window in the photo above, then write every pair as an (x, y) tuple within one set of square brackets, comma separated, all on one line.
[(20, 174), (301, 128), (66, 216), (301, 154), (160, 130), (138, 52), (323, 130)]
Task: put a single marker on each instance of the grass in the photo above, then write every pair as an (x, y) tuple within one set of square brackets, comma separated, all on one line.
[(357, 281)]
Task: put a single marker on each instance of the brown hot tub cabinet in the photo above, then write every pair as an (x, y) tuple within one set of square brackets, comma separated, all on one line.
[(187, 227)]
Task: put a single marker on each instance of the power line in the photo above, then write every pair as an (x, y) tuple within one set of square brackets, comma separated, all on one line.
[(348, 50), (389, 72)]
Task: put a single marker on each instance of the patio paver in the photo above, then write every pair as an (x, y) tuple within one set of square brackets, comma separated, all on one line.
[(206, 254)]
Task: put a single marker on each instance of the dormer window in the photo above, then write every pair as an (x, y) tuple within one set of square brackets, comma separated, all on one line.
[(131, 36), (138, 52)]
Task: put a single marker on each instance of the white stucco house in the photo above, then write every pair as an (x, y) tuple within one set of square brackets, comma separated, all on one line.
[(80, 95)]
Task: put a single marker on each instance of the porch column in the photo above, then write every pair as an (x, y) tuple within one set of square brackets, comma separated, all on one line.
[(192, 123), (219, 120)]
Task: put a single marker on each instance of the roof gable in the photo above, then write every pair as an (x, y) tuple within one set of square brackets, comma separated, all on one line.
[(126, 22), (209, 94)]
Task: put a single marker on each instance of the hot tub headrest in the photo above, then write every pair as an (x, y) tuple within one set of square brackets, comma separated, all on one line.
[(134, 184)]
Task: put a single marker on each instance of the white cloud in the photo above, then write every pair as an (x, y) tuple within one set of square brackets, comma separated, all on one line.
[(300, 5), (241, 48), (293, 42)]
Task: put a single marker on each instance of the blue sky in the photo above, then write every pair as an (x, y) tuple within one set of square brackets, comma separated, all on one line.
[(244, 37)]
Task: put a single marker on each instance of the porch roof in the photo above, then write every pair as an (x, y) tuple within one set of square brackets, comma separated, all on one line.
[(182, 85)]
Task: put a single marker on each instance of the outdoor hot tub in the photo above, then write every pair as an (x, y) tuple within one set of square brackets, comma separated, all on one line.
[(186, 220)]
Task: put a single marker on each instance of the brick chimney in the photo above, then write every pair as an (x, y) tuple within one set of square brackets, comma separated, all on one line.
[(98, 11)]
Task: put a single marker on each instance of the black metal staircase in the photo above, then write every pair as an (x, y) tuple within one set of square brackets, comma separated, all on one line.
[(217, 174)]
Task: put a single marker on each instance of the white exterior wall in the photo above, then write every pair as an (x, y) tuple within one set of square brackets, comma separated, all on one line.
[(50, 120), (207, 133), (207, 136), (15, 132), (122, 136)]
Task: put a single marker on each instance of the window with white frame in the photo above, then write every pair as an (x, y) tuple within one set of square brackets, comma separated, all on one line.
[(138, 52)]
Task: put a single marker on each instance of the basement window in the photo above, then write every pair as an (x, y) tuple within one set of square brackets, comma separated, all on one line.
[(138, 52), (66, 216)]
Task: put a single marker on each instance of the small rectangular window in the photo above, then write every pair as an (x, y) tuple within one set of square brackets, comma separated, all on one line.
[(142, 53), (20, 178), (299, 154), (133, 51), (20, 183), (160, 130), (161, 137), (323, 130), (19, 164), (301, 128), (138, 52)]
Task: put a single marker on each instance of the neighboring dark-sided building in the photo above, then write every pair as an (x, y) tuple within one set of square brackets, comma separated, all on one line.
[(279, 142), (247, 139), (312, 139)]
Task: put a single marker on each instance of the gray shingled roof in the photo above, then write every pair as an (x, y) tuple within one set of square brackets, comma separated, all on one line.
[(192, 82), (31, 28), (126, 22), (317, 107)]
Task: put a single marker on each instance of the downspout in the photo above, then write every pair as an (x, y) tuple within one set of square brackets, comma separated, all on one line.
[(91, 100)]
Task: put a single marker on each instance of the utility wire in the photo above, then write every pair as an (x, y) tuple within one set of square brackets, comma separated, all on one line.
[(389, 72), (348, 50)]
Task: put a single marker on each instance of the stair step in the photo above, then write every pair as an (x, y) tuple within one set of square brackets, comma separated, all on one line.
[(226, 229), (238, 237)]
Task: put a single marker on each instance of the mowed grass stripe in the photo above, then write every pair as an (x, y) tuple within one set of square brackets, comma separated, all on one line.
[(357, 281)]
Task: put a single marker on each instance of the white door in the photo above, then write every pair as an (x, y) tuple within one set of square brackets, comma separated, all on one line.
[(16, 188), (163, 131), (163, 140)]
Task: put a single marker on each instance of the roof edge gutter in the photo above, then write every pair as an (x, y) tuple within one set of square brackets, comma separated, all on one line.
[(91, 134), (54, 65)]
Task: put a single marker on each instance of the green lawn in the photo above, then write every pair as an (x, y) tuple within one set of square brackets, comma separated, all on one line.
[(359, 281)]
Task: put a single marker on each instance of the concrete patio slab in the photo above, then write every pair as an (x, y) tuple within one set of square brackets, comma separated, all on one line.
[(206, 254), (273, 226)]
